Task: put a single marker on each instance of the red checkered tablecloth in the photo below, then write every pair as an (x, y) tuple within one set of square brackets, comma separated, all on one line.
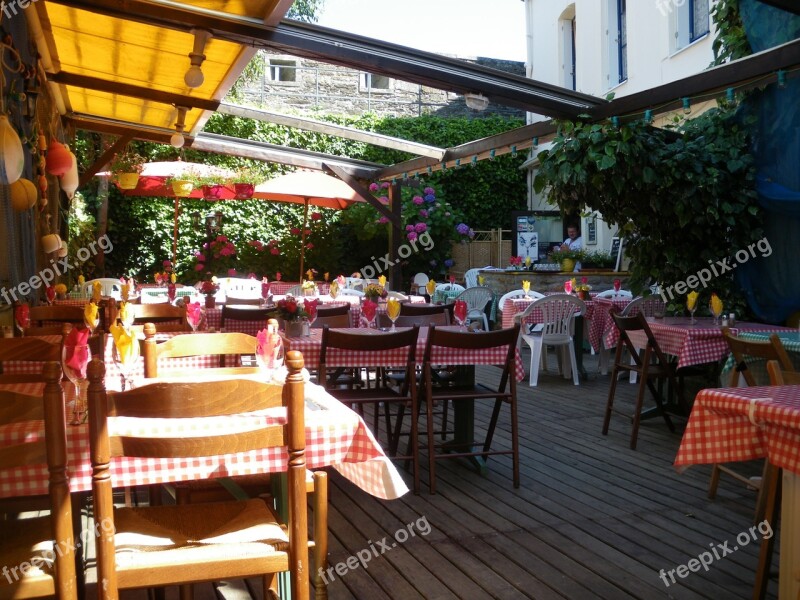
[(736, 424), (335, 436), (693, 343), (310, 347)]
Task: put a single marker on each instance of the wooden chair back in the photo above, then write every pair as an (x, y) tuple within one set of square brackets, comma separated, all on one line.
[(231, 312), (198, 344), (440, 318), (417, 309), (336, 321), (167, 316), (638, 322), (34, 537), (771, 350), (779, 376), (27, 349), (331, 310), (209, 402)]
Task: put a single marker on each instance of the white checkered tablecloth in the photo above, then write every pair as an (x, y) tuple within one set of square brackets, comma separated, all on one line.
[(335, 436), (694, 344), (310, 347), (736, 424)]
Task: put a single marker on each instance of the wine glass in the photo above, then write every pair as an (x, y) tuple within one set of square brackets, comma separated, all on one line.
[(716, 310), (568, 286), (460, 312), (311, 310), (617, 285), (368, 312), (50, 294), (171, 291), (74, 360), (91, 318), (126, 361), (268, 362), (393, 311), (194, 315), (264, 292)]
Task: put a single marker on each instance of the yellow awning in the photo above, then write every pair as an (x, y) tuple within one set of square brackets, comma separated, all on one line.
[(119, 51)]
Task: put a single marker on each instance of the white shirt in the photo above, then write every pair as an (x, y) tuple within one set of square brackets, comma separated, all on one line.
[(575, 244)]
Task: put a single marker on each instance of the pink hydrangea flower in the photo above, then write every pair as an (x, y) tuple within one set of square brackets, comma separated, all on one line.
[(412, 235), (417, 200)]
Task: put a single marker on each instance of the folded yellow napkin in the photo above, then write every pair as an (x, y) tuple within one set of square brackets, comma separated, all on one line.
[(716, 305), (333, 290), (382, 280), (124, 291), (90, 314), (97, 291), (691, 300), (126, 343), (430, 286), (526, 286), (125, 314), (81, 279)]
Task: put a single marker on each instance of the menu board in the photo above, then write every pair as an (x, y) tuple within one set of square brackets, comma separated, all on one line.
[(616, 252)]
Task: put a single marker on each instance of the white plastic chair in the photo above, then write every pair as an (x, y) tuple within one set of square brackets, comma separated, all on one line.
[(349, 292), (295, 290), (471, 278), (241, 287), (477, 298), (516, 294), (354, 283), (556, 329), (398, 295), (612, 294), (449, 287), (110, 287), (418, 284)]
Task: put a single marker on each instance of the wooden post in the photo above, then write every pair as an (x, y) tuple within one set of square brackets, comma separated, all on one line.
[(303, 238), (175, 232), (395, 237)]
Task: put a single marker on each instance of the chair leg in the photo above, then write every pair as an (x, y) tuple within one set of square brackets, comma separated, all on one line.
[(714, 481), (431, 448), (573, 363), (761, 498), (536, 354), (320, 552), (637, 414), (610, 402), (771, 485)]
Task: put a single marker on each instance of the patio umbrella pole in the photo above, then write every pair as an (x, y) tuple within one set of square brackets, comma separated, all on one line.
[(303, 236), (175, 233)]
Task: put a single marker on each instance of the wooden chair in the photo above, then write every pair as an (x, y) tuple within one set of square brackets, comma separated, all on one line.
[(27, 349), (644, 366), (771, 351), (336, 321), (166, 316), (33, 541), (325, 310), (771, 490), (50, 320), (614, 294), (255, 542), (198, 344), (235, 313), (556, 329), (405, 396), (440, 318), (416, 309), (506, 392)]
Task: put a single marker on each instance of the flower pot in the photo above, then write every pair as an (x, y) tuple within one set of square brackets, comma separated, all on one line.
[(127, 181), (568, 265), (294, 328), (212, 192), (211, 301), (181, 187), (243, 191)]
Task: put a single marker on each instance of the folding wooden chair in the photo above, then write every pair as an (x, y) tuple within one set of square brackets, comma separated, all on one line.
[(772, 351), (646, 369), (504, 340)]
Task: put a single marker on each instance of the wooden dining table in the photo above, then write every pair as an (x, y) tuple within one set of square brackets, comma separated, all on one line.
[(739, 424)]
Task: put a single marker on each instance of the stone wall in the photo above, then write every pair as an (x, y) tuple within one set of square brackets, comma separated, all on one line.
[(301, 86)]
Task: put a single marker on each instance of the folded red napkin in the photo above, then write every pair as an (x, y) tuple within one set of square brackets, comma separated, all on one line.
[(193, 313), (368, 309), (22, 315), (269, 345), (50, 292), (311, 307), (77, 351)]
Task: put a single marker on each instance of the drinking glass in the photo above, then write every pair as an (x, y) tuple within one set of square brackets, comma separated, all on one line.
[(126, 363), (312, 316), (194, 317), (568, 287), (50, 294), (264, 292), (269, 362), (691, 312), (617, 285), (716, 313), (460, 312), (22, 321), (171, 291), (393, 311), (74, 360)]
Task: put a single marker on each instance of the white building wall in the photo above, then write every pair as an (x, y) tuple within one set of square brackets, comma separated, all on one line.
[(652, 55)]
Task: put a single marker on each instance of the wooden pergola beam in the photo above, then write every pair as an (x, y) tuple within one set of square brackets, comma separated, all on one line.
[(104, 159), (364, 193)]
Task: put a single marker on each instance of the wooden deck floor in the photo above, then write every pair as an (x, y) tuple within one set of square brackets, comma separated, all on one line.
[(592, 518)]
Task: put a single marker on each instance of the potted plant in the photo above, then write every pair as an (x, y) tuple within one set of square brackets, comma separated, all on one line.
[(292, 313), (125, 169), (597, 260), (244, 184), (209, 288), (212, 187), (182, 185), (566, 258)]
